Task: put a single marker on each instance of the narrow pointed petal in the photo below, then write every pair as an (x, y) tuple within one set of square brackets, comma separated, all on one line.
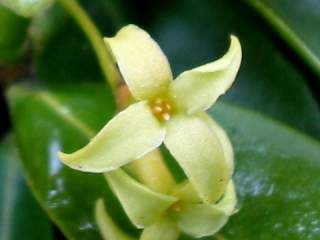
[(223, 138), (128, 136), (108, 229), (142, 205), (152, 171), (198, 151), (163, 229), (200, 220), (197, 89), (142, 64)]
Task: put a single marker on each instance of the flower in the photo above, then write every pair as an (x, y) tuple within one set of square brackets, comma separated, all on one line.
[(169, 112)]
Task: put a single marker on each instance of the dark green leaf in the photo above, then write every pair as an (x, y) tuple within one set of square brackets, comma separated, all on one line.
[(296, 24), (46, 122), (63, 52), (276, 167), (20, 215), (13, 31), (276, 176)]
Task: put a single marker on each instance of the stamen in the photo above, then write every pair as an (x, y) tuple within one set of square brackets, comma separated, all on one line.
[(176, 207), (161, 109), (166, 116)]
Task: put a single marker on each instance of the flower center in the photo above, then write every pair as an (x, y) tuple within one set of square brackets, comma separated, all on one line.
[(176, 207), (162, 109)]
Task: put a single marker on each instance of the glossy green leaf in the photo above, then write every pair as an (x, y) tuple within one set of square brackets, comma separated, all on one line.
[(295, 23), (13, 31), (276, 176), (26, 8), (59, 43), (129, 135), (51, 127), (19, 212), (142, 205), (192, 34)]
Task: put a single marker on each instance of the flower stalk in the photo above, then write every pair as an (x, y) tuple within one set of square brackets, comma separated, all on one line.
[(102, 50)]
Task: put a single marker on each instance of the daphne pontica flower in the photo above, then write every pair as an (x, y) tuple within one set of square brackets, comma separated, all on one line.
[(173, 113)]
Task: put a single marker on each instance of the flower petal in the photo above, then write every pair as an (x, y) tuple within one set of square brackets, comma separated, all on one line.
[(142, 64), (128, 136), (185, 192), (229, 200), (198, 151), (107, 227), (223, 138), (152, 172), (142, 205), (163, 229), (199, 88), (200, 220)]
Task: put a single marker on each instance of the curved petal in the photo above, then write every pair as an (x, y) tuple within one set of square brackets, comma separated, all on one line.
[(200, 220), (199, 88), (229, 200), (128, 136), (163, 229), (142, 205), (142, 64), (223, 138), (198, 151), (107, 227)]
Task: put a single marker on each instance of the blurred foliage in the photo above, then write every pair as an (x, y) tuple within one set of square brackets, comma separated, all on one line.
[(277, 167), (13, 31), (19, 212)]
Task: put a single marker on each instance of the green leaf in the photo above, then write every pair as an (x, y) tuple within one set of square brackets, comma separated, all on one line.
[(192, 34), (26, 8), (295, 23), (276, 176), (63, 52), (13, 31), (49, 121), (19, 212)]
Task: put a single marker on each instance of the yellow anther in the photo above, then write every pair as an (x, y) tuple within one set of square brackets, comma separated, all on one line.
[(161, 109), (166, 116), (176, 207), (157, 109)]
